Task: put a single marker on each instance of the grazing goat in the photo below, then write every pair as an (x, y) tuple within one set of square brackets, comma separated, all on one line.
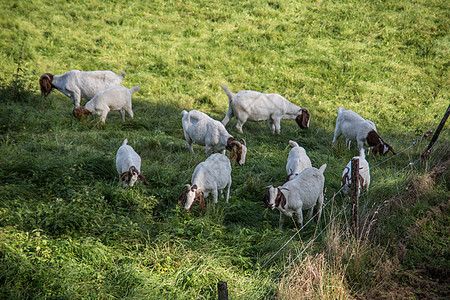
[(255, 106), (364, 132), (128, 165), (80, 84), (364, 174), (301, 193), (113, 98), (211, 176), (201, 129), (297, 161)]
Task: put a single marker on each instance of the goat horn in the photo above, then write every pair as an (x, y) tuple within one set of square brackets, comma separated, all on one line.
[(188, 186), (283, 188), (268, 187)]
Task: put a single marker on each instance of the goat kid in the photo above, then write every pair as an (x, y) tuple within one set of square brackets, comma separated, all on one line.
[(255, 106), (128, 165), (113, 98), (301, 193), (211, 176), (364, 174), (201, 129), (77, 84), (364, 132), (297, 161)]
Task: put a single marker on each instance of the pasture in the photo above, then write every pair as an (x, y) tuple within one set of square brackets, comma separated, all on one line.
[(68, 229)]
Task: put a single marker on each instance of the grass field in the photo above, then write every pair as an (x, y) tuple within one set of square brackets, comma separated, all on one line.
[(69, 230)]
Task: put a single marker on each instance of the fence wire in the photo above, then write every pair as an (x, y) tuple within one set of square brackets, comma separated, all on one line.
[(410, 164)]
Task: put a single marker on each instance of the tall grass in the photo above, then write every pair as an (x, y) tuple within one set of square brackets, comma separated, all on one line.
[(69, 230)]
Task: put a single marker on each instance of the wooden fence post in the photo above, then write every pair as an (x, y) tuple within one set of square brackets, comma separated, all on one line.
[(436, 134), (222, 290), (354, 186)]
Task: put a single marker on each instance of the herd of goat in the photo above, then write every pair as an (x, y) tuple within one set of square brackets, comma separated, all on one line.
[(303, 189)]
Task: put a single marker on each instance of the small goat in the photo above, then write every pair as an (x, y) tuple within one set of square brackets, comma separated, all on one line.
[(297, 161), (364, 132), (364, 174), (201, 129), (211, 176), (128, 165), (80, 84), (113, 98), (255, 106), (301, 193)]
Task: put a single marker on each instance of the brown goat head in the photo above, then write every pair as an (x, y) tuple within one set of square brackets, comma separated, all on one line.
[(303, 118), (45, 82), (81, 112)]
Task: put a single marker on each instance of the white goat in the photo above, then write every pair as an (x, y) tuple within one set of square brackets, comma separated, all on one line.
[(364, 132), (301, 193), (297, 161), (211, 176), (364, 174), (113, 98), (80, 84), (255, 106), (201, 129), (128, 165)]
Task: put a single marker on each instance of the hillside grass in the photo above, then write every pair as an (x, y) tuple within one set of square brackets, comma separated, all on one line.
[(69, 230)]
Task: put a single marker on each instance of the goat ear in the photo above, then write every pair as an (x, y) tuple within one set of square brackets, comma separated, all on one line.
[(266, 199), (201, 201), (361, 181), (182, 197), (283, 200), (344, 179), (278, 199), (233, 154), (124, 176), (142, 178)]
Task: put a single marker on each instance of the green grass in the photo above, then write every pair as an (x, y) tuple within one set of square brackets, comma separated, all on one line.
[(69, 230)]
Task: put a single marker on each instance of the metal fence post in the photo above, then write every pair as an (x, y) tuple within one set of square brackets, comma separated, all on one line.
[(354, 186)]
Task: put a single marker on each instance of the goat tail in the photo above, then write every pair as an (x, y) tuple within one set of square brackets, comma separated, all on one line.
[(340, 109), (183, 113), (134, 89), (293, 144), (322, 168), (228, 92), (125, 141)]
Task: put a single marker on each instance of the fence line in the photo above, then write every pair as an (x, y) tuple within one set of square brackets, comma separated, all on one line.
[(297, 232), (410, 164), (415, 143), (307, 246)]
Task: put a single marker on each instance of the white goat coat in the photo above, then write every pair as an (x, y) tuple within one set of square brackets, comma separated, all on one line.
[(297, 160), (364, 172), (77, 84), (255, 106), (125, 159), (211, 176), (201, 129), (113, 98), (302, 193), (353, 127)]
